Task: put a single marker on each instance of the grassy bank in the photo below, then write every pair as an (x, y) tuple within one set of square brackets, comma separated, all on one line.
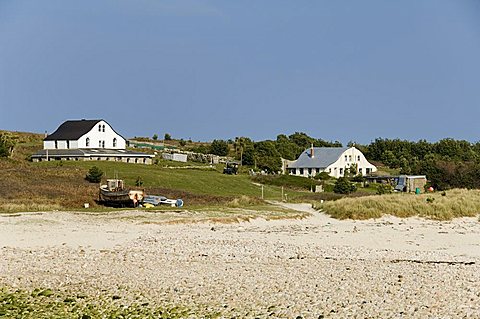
[(439, 206), (45, 303), (46, 186)]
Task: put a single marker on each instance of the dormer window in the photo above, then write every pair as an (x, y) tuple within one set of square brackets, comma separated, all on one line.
[(115, 142), (87, 142)]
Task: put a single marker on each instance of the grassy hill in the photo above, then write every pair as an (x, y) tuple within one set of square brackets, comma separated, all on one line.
[(27, 186)]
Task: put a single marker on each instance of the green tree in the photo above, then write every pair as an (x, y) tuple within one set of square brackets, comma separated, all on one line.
[(219, 147), (155, 137), (344, 186), (94, 175), (240, 145), (301, 139), (248, 155), (267, 157), (167, 137), (389, 159), (287, 149)]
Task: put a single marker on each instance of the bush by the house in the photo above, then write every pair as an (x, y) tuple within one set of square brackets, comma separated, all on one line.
[(323, 176), (384, 189), (344, 186), (94, 175)]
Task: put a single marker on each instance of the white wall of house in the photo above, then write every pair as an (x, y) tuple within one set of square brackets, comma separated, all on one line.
[(100, 136), (49, 145), (349, 157), (337, 169), (306, 171)]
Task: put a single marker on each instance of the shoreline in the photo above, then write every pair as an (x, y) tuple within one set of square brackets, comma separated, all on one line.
[(311, 267)]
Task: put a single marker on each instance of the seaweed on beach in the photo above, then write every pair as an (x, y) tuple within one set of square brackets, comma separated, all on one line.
[(48, 303)]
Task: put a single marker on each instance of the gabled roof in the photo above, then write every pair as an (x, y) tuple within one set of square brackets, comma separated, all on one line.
[(323, 156), (72, 130)]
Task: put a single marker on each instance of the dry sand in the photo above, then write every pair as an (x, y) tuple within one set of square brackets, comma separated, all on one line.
[(315, 267)]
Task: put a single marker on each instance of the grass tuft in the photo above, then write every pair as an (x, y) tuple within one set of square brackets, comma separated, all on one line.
[(456, 203)]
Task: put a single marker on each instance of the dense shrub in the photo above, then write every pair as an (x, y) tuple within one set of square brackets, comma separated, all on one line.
[(384, 189), (219, 147), (323, 176), (344, 186), (94, 175), (358, 178), (267, 157), (444, 174)]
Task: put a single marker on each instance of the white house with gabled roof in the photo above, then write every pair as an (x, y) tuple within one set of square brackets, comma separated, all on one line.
[(333, 160), (88, 140), (86, 134)]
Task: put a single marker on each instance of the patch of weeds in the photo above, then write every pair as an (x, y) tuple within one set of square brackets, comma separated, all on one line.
[(47, 303)]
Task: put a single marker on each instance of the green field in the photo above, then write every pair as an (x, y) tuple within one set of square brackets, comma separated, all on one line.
[(56, 185), (206, 181)]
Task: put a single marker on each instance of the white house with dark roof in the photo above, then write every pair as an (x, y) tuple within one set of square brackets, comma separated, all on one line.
[(84, 134), (333, 160), (88, 140)]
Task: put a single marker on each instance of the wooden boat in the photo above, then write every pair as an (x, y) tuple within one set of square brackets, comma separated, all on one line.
[(115, 194)]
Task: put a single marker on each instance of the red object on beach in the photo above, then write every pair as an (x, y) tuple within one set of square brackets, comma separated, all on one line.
[(430, 189)]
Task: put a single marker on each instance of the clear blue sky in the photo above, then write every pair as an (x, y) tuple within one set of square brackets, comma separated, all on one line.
[(337, 70)]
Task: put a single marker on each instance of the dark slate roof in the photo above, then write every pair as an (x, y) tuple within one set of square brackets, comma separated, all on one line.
[(72, 130), (90, 152), (323, 156)]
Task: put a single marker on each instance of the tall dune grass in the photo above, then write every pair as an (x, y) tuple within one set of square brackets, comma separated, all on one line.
[(452, 204)]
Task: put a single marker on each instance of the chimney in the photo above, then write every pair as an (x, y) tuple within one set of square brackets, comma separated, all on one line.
[(312, 154)]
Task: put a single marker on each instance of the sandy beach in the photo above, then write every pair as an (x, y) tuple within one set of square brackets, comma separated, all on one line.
[(316, 267)]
